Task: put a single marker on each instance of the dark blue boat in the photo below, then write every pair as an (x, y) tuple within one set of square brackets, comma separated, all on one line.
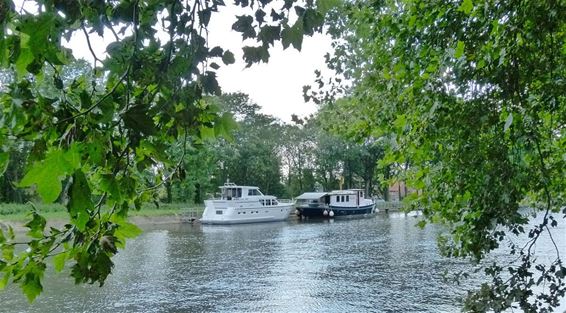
[(333, 204)]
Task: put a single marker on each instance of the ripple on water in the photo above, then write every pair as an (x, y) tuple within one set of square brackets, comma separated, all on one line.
[(379, 264)]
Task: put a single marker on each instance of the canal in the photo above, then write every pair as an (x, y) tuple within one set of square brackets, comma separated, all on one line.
[(378, 264)]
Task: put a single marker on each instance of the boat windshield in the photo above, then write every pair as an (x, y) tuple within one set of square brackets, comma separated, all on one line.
[(254, 192), (231, 193)]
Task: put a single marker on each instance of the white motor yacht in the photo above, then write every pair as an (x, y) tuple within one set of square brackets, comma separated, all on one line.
[(244, 204)]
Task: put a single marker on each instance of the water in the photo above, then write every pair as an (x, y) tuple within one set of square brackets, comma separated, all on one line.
[(378, 264)]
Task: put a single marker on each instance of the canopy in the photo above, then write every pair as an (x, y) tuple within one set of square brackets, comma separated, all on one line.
[(311, 195)]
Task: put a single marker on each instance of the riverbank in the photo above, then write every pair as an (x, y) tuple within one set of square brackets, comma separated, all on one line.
[(16, 215)]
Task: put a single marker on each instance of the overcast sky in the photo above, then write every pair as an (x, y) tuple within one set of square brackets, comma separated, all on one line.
[(276, 86)]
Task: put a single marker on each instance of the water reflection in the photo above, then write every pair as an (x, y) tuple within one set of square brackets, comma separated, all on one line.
[(379, 264)]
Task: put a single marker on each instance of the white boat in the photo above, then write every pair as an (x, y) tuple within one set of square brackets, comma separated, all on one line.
[(244, 204)]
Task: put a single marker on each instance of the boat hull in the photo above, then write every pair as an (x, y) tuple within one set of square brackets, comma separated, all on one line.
[(338, 211), (243, 215)]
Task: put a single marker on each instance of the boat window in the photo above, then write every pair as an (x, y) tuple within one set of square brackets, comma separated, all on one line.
[(274, 202), (342, 199), (262, 202), (239, 192), (268, 201), (337, 198), (254, 192), (347, 198), (219, 212)]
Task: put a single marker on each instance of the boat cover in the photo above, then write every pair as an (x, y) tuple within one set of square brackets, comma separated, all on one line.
[(311, 195)]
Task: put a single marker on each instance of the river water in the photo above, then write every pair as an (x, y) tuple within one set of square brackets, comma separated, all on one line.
[(378, 264)]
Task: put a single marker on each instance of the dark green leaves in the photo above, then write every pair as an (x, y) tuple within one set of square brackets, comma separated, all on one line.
[(244, 26), (255, 54), (204, 16), (138, 119), (269, 34), (210, 84), (80, 203), (312, 21), (31, 279), (293, 35), (228, 58), (4, 160)]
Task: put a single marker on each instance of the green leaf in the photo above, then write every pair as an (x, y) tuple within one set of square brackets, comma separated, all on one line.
[(36, 225), (80, 201), (324, 6), (47, 175), (467, 6), (109, 184), (59, 261), (255, 54), (269, 34), (8, 252), (25, 58), (31, 285), (312, 21), (293, 35), (210, 83), (5, 279), (224, 126), (228, 58), (206, 133), (4, 161), (137, 118), (216, 52), (244, 25), (73, 155), (128, 230), (125, 230), (459, 49), (95, 152)]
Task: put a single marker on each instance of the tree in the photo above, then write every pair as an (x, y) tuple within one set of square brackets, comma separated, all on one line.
[(470, 97), (91, 138), (297, 154), (251, 157)]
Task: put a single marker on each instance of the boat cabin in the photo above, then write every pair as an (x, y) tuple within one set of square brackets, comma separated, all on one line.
[(231, 191), (347, 198)]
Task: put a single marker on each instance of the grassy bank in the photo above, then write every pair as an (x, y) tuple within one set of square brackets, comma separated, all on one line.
[(19, 212)]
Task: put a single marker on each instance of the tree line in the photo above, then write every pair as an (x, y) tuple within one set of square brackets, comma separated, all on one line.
[(283, 159)]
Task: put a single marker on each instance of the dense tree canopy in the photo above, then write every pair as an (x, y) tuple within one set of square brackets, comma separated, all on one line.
[(470, 97)]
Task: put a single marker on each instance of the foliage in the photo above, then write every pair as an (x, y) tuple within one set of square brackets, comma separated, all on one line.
[(470, 97), (93, 138), (251, 158)]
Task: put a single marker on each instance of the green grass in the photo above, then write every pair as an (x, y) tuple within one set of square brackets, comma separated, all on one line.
[(19, 212)]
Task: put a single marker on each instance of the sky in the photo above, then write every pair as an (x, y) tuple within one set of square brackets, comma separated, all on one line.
[(277, 86)]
